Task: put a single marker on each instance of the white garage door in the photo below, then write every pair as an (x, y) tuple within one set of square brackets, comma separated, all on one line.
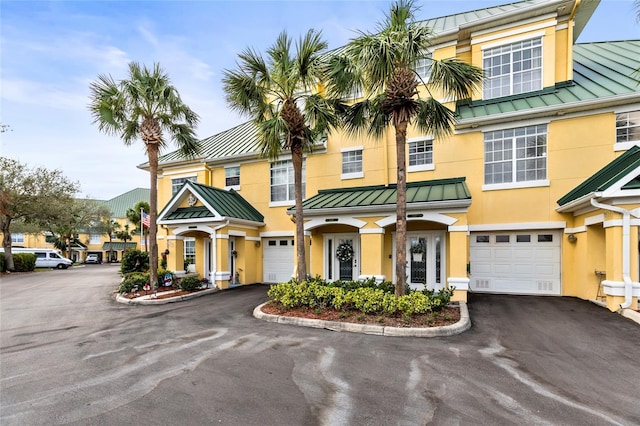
[(277, 259), (516, 262)]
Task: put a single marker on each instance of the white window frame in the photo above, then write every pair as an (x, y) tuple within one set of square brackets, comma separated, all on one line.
[(531, 131), (290, 184), (423, 67), (175, 188), (494, 51), (95, 238), (626, 144), (189, 249), (17, 238), (352, 159), (227, 170), (424, 166)]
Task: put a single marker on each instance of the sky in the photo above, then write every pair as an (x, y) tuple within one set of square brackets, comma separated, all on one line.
[(50, 51)]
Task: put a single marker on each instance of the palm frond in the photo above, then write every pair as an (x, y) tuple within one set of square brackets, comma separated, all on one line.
[(271, 134), (435, 118), (455, 78)]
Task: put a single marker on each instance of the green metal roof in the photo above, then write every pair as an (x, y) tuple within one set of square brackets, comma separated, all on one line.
[(225, 203), (381, 195), (118, 246), (123, 202), (601, 71), (607, 176)]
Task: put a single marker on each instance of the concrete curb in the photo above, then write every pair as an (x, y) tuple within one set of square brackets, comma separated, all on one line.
[(448, 330), (627, 313), (147, 300)]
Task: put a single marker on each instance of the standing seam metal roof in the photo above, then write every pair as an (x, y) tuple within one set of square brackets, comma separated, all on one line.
[(606, 177), (381, 195)]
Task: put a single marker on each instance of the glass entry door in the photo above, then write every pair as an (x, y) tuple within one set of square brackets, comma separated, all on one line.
[(425, 263), (342, 253)]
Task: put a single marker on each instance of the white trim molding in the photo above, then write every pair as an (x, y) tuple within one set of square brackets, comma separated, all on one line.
[(344, 220), (460, 283), (372, 231), (424, 216), (616, 288), (517, 226), (460, 228)]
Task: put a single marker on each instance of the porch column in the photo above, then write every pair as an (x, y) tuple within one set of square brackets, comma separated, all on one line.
[(371, 253), (221, 271), (175, 259), (614, 284), (457, 258)]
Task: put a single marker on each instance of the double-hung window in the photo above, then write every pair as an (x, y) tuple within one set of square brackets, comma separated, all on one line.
[(513, 68), (514, 156), (232, 176), (627, 129), (95, 238), (189, 251), (420, 154), (423, 67), (177, 183), (17, 238), (282, 182), (352, 163)]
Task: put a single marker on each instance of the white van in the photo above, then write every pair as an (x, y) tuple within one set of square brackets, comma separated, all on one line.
[(45, 258)]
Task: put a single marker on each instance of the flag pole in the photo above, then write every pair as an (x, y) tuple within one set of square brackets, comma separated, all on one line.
[(142, 230)]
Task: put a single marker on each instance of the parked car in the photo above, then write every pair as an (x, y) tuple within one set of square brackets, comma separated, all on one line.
[(45, 258), (93, 258)]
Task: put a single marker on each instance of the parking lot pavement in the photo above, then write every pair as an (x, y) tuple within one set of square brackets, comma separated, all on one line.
[(74, 355)]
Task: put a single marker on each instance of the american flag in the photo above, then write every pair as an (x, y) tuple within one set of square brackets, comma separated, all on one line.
[(146, 220)]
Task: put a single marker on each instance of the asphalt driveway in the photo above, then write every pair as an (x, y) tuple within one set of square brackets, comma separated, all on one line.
[(72, 355)]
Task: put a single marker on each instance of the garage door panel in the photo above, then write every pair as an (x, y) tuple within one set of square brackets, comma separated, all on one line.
[(277, 258), (528, 266)]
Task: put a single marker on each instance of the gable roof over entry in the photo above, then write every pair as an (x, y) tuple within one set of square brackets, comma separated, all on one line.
[(217, 204), (452, 192), (624, 168)]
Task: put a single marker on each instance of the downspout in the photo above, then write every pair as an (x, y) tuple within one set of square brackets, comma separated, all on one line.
[(214, 243), (626, 245)]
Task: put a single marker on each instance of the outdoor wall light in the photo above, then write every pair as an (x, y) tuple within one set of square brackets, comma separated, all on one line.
[(572, 238), (257, 243)]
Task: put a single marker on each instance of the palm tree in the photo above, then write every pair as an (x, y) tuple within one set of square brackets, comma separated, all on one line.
[(134, 216), (383, 64), (110, 227), (145, 106), (124, 235), (282, 96)]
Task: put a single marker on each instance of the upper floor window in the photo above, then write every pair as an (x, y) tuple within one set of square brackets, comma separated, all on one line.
[(420, 155), (177, 183), (423, 67), (628, 127), (515, 155), (352, 163), (232, 176), (95, 238), (282, 181), (17, 237), (513, 68)]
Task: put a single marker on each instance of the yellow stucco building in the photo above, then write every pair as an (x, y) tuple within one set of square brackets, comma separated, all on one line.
[(536, 192)]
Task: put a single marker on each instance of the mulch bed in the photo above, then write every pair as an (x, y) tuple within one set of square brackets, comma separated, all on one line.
[(163, 293), (447, 316)]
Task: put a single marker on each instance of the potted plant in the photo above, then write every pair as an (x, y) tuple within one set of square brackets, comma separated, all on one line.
[(417, 252)]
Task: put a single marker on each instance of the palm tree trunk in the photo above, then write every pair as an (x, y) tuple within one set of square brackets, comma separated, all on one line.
[(401, 210), (152, 151), (296, 159)]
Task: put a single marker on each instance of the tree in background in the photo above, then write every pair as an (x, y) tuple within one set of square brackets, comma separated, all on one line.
[(280, 94), (82, 215), (124, 235), (384, 65), (145, 106), (30, 196), (134, 216)]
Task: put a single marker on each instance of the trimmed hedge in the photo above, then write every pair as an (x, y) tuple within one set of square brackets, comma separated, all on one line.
[(3, 266), (24, 262), (134, 261), (366, 298), (139, 279), (190, 283)]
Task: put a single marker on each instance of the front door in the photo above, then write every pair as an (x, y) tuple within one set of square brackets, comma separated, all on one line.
[(342, 254), (425, 266)]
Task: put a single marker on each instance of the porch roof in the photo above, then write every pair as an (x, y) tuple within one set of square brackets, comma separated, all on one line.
[(606, 177), (453, 189), (224, 203), (118, 246)]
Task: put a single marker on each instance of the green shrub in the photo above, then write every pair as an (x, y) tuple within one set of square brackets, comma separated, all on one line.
[(190, 283), (134, 261), (24, 262), (132, 279), (370, 298), (3, 266)]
